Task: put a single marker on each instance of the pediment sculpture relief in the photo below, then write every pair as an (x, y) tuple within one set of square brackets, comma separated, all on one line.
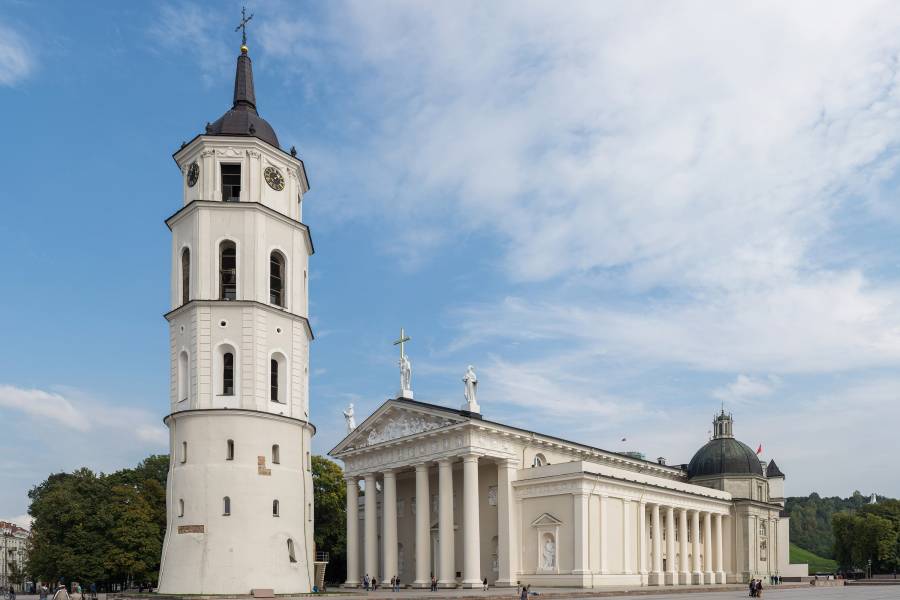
[(402, 426)]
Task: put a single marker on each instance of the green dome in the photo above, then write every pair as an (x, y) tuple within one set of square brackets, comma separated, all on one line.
[(724, 456)]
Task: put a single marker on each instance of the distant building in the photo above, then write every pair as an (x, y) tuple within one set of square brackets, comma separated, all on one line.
[(13, 554)]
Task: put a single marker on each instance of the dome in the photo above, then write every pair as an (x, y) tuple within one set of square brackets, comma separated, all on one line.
[(724, 456), (243, 119)]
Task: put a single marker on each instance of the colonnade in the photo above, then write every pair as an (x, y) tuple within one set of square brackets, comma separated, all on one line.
[(682, 572), (471, 527)]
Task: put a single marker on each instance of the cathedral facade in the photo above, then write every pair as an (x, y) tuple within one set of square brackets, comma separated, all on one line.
[(239, 496), (451, 495)]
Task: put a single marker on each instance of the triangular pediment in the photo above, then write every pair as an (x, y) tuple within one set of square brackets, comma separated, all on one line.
[(396, 419), (546, 519)]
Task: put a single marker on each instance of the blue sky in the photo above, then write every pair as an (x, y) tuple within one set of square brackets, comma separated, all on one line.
[(623, 214)]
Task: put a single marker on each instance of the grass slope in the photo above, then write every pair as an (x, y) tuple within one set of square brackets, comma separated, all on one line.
[(816, 563)]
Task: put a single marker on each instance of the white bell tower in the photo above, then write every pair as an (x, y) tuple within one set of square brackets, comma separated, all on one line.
[(239, 495)]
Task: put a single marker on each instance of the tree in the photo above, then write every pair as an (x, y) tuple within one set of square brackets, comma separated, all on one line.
[(330, 498), (867, 536), (99, 528)]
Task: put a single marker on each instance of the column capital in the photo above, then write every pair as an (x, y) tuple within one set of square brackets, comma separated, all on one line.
[(471, 456), (445, 460), (422, 466), (389, 473)]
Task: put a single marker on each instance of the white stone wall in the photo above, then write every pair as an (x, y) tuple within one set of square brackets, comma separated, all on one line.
[(208, 552)]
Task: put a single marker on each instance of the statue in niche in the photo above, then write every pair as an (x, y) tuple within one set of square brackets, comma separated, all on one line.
[(548, 553), (350, 418)]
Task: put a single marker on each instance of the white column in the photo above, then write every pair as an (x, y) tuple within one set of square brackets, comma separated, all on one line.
[(352, 533), (642, 541), (507, 532), (580, 565), (371, 526), (389, 523), (447, 576), (423, 528), (656, 575), (684, 576), (604, 519), (697, 574), (671, 573), (719, 567), (627, 534), (708, 575), (471, 524)]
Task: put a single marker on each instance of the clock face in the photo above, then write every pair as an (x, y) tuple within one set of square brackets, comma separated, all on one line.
[(274, 178), (193, 174)]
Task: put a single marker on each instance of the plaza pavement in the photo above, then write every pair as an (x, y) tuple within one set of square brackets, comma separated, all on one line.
[(730, 592)]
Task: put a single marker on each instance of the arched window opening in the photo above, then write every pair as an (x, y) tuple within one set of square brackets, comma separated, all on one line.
[(185, 276), (276, 454), (181, 507), (276, 278), (539, 460), (227, 271), (274, 508), (291, 556), (273, 380), (228, 374), (184, 452), (308, 462), (226, 506), (183, 376), (278, 378), (229, 453)]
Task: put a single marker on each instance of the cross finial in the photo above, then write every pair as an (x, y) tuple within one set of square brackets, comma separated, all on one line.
[(243, 28), (403, 338)]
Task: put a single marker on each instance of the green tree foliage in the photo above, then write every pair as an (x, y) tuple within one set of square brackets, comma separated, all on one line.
[(95, 528), (811, 520), (871, 533), (330, 497)]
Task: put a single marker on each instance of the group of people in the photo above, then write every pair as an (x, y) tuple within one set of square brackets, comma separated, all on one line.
[(756, 588), (774, 579), (370, 584)]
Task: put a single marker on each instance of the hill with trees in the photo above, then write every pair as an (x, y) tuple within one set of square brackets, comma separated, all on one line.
[(849, 531)]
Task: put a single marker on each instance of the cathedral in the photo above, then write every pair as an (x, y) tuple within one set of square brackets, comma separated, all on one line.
[(452, 495), (239, 496)]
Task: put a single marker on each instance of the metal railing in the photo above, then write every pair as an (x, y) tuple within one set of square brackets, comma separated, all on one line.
[(321, 557)]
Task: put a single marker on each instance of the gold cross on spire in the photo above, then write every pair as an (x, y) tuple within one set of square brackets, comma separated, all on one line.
[(243, 27)]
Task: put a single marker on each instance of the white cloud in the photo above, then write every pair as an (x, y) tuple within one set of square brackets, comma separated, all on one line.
[(699, 155), (155, 434), (196, 29), (44, 406), (16, 57), (744, 389)]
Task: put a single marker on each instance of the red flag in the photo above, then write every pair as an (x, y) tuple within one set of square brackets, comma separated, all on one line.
[(759, 450)]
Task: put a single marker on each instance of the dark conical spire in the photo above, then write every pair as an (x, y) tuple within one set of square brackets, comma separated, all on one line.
[(244, 95), (243, 119)]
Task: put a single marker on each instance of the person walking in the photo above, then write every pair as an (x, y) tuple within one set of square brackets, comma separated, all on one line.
[(433, 583), (484, 585)]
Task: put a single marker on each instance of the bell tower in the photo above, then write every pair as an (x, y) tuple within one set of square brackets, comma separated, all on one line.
[(239, 496)]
